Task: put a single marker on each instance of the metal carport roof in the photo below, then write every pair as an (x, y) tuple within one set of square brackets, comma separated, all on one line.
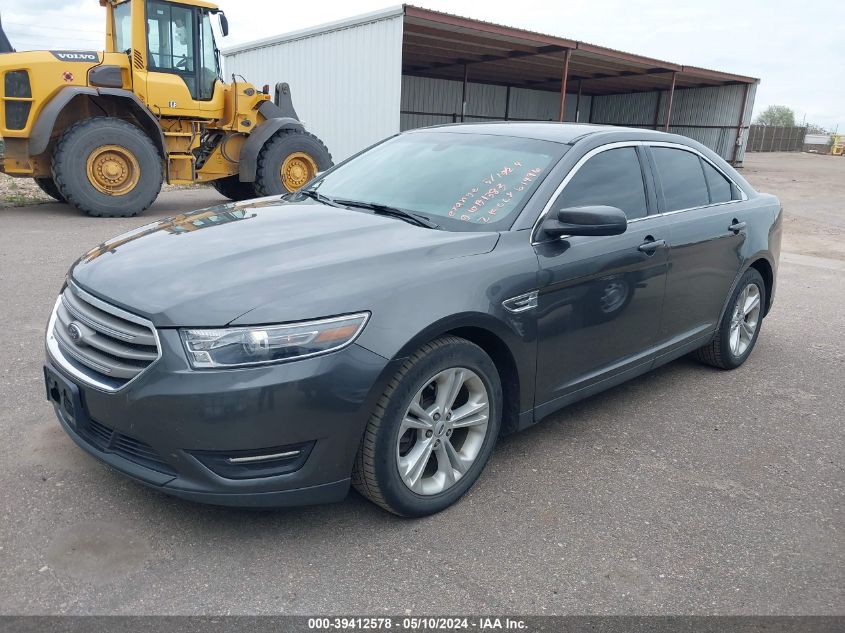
[(440, 45), (445, 46)]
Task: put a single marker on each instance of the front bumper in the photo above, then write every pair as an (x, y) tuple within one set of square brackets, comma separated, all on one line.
[(170, 427)]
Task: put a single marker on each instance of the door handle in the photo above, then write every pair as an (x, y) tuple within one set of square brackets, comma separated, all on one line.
[(651, 245), (736, 226)]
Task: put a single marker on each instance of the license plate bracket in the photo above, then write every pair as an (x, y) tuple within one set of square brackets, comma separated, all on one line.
[(64, 395)]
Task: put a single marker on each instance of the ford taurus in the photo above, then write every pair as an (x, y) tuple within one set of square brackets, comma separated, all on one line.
[(385, 325)]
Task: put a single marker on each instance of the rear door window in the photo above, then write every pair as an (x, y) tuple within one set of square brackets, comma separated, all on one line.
[(681, 177), (613, 178)]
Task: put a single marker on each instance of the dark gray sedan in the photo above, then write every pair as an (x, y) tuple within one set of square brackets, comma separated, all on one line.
[(385, 325)]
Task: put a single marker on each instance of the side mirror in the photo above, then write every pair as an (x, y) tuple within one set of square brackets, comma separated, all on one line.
[(224, 24), (592, 220)]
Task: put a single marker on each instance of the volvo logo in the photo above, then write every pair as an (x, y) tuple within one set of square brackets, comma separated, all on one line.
[(74, 331), (76, 56)]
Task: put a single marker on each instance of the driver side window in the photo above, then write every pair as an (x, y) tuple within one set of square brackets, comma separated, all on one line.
[(170, 40), (613, 178)]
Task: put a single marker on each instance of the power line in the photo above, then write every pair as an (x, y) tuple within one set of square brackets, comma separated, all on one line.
[(35, 38), (57, 37), (52, 28), (41, 46)]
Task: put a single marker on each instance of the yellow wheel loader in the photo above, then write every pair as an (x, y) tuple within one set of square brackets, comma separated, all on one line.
[(102, 130)]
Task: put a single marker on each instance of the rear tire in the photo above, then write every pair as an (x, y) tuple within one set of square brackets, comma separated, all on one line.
[(107, 167), (740, 325), (299, 154), (49, 187), (390, 443), (234, 189)]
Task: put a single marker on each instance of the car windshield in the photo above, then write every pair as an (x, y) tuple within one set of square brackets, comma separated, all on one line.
[(461, 181)]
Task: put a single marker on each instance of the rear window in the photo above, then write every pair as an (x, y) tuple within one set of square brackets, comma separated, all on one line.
[(682, 178)]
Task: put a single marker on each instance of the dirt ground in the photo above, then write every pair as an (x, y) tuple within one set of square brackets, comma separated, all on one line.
[(811, 188), (21, 192)]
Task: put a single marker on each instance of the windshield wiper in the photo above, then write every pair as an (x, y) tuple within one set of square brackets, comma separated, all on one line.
[(319, 197), (383, 209)]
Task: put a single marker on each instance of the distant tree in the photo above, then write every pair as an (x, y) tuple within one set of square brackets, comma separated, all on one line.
[(812, 128), (776, 115)]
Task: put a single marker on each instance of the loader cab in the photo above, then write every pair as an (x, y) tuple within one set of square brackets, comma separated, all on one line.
[(177, 66)]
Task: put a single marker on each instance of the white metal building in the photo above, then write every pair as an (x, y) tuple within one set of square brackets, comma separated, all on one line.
[(359, 80)]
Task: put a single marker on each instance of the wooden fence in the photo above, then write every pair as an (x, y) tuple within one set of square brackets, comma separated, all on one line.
[(775, 138)]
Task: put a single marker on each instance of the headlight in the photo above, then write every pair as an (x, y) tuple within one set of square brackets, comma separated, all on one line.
[(244, 346)]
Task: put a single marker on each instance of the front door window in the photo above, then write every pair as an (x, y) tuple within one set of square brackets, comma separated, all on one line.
[(171, 42), (209, 69)]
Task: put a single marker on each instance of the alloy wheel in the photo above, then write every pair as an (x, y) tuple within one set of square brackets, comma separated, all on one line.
[(746, 317), (442, 431)]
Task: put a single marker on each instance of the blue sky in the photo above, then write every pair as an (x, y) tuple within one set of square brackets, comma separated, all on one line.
[(793, 47)]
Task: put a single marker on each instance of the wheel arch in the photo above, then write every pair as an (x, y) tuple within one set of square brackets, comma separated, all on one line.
[(764, 267), (75, 103), (248, 158), (762, 263), (498, 342)]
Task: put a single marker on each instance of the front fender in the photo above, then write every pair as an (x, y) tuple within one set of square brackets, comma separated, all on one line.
[(42, 131), (248, 159), (43, 128)]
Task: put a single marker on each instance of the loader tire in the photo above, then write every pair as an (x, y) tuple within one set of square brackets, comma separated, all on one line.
[(49, 187), (288, 161), (234, 189), (107, 167)]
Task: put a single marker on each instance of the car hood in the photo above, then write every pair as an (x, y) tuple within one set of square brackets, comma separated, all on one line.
[(300, 261)]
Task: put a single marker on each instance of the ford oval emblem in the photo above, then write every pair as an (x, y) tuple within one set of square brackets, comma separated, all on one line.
[(74, 331)]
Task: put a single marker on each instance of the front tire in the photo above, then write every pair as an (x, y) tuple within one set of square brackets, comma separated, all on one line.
[(740, 325), (49, 187), (107, 167), (288, 161), (433, 430)]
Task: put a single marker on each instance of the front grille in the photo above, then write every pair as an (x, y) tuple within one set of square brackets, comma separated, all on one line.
[(110, 441), (106, 345), (17, 97), (17, 112), (16, 84)]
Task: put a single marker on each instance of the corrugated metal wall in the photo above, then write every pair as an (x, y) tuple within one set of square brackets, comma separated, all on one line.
[(693, 111), (440, 100), (345, 82)]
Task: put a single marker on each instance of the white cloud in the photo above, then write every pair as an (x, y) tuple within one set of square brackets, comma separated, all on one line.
[(791, 47)]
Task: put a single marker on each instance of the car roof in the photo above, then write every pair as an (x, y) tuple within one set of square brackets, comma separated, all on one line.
[(568, 133)]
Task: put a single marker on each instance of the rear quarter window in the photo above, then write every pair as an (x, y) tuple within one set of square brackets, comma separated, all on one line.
[(720, 187)]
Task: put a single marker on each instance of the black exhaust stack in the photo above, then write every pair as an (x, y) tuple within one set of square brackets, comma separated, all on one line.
[(5, 45)]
